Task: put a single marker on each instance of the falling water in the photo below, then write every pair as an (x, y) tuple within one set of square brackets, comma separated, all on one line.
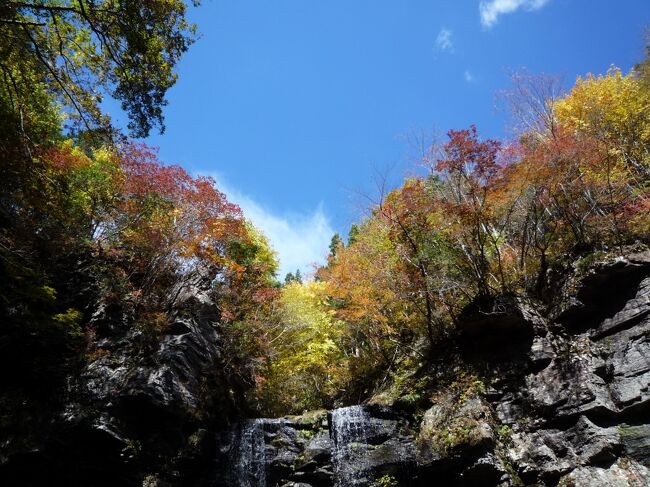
[(250, 456), (348, 431)]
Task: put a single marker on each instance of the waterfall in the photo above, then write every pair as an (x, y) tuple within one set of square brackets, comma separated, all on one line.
[(250, 455), (364, 443), (348, 432)]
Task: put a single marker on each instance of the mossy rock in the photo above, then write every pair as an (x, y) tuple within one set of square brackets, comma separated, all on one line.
[(310, 420), (455, 427)]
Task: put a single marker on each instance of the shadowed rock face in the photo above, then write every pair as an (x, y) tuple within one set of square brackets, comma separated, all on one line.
[(563, 399), (145, 407)]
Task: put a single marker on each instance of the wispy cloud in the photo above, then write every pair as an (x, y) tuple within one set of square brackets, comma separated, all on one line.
[(491, 9), (443, 41), (469, 77), (300, 239)]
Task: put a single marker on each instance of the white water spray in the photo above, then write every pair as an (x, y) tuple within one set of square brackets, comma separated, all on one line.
[(348, 431), (250, 461)]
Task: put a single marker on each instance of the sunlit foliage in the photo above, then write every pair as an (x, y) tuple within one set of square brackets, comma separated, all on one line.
[(80, 50), (307, 366), (90, 218), (494, 218)]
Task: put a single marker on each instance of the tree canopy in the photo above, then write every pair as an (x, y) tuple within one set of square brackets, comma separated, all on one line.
[(491, 219), (90, 217), (80, 50)]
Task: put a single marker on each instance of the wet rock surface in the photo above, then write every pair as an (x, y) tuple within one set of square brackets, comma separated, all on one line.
[(352, 446)]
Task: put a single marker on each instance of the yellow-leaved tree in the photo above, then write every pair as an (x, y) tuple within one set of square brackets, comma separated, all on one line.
[(307, 366), (614, 109)]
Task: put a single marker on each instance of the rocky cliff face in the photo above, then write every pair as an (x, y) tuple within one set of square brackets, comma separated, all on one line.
[(556, 396), (527, 395), (143, 408), (345, 447)]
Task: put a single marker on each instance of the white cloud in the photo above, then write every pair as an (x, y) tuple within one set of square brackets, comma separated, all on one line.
[(443, 41), (300, 239), (491, 9), (468, 76)]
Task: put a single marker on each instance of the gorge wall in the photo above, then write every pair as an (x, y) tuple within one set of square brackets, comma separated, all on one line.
[(525, 395), (557, 397)]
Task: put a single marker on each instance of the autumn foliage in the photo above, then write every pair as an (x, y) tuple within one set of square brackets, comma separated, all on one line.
[(87, 216), (493, 218)]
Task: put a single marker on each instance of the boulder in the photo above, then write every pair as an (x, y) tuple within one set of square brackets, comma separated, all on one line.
[(490, 320), (454, 430)]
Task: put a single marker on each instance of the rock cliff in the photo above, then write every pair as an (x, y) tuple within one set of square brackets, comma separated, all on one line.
[(144, 407), (526, 394)]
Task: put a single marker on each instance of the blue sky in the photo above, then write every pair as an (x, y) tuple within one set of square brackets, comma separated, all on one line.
[(296, 105)]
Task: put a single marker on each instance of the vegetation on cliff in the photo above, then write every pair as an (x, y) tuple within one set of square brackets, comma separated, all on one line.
[(89, 216), (489, 219)]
